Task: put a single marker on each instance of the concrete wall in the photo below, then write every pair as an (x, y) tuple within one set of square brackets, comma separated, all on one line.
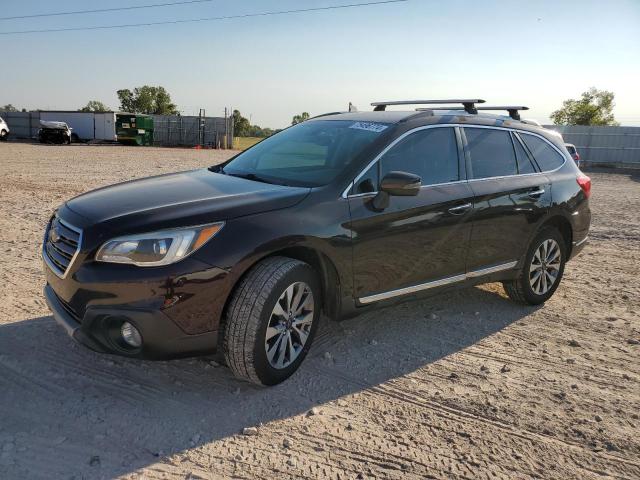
[(607, 146)]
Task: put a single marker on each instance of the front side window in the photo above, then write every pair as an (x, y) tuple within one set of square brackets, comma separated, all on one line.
[(546, 156), (368, 182), (491, 152), (431, 153), (309, 154)]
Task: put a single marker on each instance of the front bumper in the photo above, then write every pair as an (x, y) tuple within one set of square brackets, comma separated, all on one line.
[(99, 328)]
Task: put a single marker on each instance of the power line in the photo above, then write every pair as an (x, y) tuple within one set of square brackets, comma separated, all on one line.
[(103, 10), (207, 19)]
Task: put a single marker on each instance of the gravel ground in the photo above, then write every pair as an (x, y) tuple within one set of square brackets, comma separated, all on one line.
[(464, 385)]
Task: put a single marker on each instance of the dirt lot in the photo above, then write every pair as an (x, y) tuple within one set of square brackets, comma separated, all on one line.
[(464, 385)]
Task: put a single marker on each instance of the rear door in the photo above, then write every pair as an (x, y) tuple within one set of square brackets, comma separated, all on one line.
[(417, 239), (511, 195)]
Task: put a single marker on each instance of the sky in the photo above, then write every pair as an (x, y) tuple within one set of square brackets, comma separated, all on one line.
[(524, 52)]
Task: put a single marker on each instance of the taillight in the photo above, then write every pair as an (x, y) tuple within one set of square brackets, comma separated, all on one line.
[(585, 184), (577, 156)]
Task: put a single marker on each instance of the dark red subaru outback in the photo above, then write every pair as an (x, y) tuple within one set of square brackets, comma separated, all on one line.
[(334, 215)]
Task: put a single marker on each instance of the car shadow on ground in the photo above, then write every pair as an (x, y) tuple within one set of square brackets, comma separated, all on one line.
[(65, 410)]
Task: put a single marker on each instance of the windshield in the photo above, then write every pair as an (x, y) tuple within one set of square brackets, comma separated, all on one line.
[(309, 154)]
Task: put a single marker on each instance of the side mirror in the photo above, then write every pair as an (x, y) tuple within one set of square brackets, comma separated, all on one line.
[(399, 184)]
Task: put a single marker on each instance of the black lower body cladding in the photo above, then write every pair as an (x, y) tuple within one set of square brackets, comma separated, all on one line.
[(99, 330)]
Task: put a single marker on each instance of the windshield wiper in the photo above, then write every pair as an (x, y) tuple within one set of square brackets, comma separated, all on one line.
[(254, 177), (246, 176)]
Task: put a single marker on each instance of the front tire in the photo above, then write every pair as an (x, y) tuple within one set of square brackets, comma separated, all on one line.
[(271, 320), (542, 270)]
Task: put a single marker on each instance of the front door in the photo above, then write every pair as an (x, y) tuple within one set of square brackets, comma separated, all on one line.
[(416, 240), (510, 197)]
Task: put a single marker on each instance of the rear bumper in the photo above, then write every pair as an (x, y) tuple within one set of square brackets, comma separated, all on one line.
[(99, 330), (578, 246)]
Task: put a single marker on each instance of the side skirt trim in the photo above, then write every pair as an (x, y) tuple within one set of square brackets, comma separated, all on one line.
[(437, 283)]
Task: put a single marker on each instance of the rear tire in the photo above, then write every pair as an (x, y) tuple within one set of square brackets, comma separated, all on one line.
[(266, 337), (3, 135), (542, 270)]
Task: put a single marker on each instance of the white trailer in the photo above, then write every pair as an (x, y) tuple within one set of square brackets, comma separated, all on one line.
[(86, 125), (105, 126)]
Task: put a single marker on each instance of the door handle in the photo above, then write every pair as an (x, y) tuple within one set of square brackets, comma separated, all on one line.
[(536, 193), (460, 209)]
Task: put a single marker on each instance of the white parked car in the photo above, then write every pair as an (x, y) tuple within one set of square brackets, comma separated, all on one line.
[(574, 153), (4, 130)]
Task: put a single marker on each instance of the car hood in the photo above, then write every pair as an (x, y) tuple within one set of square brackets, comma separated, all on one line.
[(179, 199)]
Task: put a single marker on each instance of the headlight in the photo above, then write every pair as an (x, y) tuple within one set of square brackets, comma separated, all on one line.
[(157, 248)]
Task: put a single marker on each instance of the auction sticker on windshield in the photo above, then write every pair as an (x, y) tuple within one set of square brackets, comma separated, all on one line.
[(371, 127)]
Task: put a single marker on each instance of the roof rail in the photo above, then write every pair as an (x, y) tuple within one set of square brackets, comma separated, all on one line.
[(468, 104), (512, 109)]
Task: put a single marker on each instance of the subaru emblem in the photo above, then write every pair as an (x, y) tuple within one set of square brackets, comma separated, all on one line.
[(54, 236)]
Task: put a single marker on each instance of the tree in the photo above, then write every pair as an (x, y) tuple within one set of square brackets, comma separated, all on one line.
[(241, 125), (243, 128), (594, 108), (94, 106), (147, 100), (9, 108), (257, 131), (300, 118)]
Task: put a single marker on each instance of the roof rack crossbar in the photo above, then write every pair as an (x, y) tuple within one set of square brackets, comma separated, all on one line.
[(514, 110), (468, 104)]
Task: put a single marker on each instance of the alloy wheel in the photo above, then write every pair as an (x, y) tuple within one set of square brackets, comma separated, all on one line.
[(289, 325), (545, 267)]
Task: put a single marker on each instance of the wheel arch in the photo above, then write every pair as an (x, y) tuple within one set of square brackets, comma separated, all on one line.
[(326, 270), (563, 225), (328, 276)]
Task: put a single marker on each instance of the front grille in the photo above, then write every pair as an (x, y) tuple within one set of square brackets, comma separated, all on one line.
[(61, 244)]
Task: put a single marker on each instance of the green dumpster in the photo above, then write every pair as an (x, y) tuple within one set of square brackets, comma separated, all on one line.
[(133, 129)]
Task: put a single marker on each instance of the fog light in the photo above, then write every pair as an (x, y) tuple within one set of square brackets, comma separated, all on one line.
[(131, 335)]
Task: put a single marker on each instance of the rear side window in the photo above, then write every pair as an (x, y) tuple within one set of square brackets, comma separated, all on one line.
[(546, 156), (524, 161), (571, 149), (491, 152), (431, 153)]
